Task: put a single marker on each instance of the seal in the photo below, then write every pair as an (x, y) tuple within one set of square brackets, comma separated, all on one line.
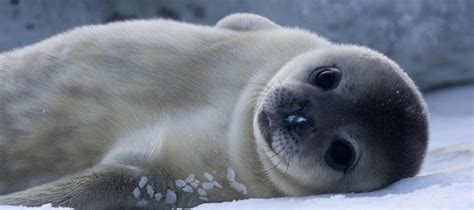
[(158, 114)]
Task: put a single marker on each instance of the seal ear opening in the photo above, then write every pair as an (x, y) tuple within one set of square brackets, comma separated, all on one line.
[(246, 22)]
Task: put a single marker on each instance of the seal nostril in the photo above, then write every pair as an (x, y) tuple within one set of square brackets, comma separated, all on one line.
[(340, 155), (325, 77)]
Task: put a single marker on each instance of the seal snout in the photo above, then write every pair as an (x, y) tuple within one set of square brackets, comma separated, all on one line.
[(274, 121)]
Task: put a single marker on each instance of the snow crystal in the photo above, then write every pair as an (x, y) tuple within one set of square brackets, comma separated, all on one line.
[(180, 183), (217, 184), (170, 197), (136, 193), (194, 184), (203, 198), (241, 188), (207, 185), (208, 176), (190, 178), (230, 174), (143, 182), (150, 190), (202, 192), (141, 203), (158, 196), (188, 189)]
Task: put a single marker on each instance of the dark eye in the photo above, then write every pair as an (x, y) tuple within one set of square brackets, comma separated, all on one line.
[(326, 78), (340, 155)]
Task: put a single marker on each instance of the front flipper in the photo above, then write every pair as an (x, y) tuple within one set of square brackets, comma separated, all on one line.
[(104, 187), (246, 22)]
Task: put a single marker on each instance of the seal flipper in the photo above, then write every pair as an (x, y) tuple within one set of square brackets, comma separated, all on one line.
[(246, 22), (104, 187)]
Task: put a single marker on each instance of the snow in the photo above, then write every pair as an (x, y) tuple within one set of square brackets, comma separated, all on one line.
[(180, 183), (188, 189), (170, 197), (202, 192), (143, 181), (44, 207), (446, 180), (150, 190), (208, 176), (136, 193), (158, 196)]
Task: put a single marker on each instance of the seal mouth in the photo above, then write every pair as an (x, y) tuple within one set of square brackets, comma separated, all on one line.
[(264, 126)]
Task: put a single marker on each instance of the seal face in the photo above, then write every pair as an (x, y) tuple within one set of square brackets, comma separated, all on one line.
[(340, 119)]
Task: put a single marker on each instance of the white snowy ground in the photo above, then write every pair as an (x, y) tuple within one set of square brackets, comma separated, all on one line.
[(446, 180)]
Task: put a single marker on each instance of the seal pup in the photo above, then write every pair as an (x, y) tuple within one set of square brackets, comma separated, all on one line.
[(157, 114)]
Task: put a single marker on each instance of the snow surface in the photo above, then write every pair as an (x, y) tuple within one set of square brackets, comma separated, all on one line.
[(446, 180), (44, 207)]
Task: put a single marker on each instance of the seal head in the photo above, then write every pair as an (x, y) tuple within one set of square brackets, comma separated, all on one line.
[(340, 119)]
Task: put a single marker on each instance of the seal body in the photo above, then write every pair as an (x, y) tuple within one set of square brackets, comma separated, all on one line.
[(161, 114)]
